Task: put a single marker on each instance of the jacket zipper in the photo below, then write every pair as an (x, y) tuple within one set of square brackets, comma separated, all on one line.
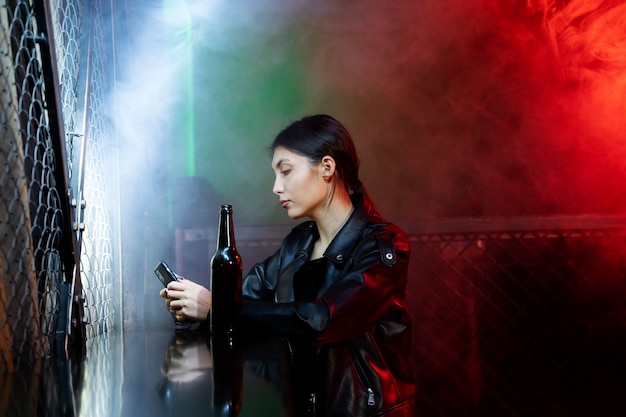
[(371, 397)]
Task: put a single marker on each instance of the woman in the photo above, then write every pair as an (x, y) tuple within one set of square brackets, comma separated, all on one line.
[(336, 286)]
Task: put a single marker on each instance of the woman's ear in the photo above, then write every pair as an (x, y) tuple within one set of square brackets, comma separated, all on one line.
[(328, 167)]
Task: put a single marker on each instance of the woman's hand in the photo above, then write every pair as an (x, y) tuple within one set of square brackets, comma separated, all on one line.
[(187, 300), (187, 360)]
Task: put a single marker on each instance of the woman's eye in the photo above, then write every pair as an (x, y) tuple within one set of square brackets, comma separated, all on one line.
[(285, 172)]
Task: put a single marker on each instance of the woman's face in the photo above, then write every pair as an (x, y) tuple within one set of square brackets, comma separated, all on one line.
[(300, 185)]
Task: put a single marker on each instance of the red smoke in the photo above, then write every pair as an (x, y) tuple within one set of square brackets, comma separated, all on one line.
[(588, 40), (486, 107), (559, 69)]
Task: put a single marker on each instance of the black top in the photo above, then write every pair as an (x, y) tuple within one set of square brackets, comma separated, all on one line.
[(308, 280)]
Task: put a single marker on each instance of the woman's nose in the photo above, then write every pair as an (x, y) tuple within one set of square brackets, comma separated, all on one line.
[(278, 186)]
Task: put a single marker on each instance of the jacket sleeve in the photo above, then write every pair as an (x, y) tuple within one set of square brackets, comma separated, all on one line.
[(261, 283), (370, 287), (260, 312)]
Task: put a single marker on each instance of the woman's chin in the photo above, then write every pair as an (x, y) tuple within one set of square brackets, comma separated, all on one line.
[(294, 215)]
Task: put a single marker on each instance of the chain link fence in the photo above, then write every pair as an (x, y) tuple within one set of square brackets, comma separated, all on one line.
[(520, 316), (56, 251), (32, 215), (96, 261)]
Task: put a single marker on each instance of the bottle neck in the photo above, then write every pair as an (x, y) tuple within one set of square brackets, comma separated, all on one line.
[(226, 232)]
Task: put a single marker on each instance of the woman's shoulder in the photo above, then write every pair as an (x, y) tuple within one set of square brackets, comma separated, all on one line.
[(377, 224), (384, 230), (387, 228), (378, 241), (374, 222)]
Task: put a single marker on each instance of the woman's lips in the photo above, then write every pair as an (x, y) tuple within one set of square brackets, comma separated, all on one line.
[(284, 203)]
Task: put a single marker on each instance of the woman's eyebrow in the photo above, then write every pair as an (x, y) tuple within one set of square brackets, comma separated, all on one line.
[(280, 162)]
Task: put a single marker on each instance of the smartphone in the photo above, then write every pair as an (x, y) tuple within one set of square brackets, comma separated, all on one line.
[(164, 273)]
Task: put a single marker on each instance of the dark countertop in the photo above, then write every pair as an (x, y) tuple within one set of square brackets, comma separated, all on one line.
[(155, 372)]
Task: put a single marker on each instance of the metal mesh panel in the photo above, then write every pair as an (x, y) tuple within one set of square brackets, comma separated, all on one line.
[(41, 171), (31, 215), (519, 322), (96, 253), (67, 29)]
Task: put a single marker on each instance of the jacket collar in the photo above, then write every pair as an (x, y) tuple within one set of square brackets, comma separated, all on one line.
[(343, 243)]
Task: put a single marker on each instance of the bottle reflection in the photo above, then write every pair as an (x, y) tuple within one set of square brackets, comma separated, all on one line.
[(227, 375)]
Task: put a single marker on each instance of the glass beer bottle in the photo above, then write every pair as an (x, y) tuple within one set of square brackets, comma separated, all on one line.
[(225, 277)]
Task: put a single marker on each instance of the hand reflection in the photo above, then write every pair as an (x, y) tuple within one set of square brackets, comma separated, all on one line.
[(187, 359), (198, 381), (187, 375)]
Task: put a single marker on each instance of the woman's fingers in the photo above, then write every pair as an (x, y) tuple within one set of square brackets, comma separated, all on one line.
[(178, 285), (187, 300)]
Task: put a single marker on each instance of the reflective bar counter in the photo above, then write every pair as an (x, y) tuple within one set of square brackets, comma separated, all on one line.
[(156, 372)]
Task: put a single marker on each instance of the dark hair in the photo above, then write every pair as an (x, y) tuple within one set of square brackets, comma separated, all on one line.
[(317, 136)]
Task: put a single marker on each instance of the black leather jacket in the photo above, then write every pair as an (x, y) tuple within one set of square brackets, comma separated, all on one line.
[(357, 329)]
